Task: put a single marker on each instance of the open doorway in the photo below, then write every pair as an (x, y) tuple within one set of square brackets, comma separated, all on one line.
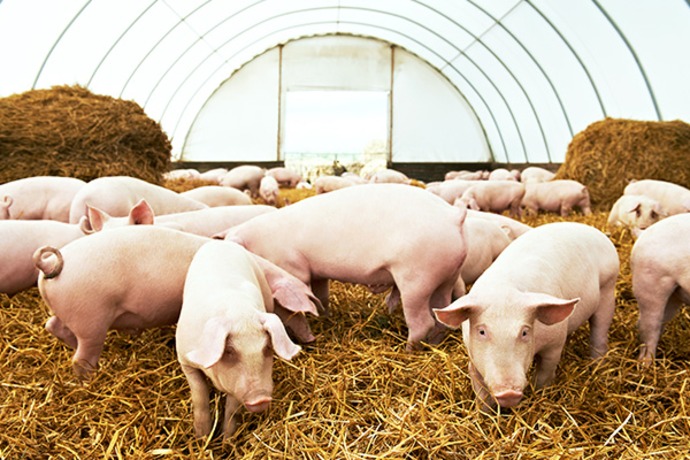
[(325, 126)]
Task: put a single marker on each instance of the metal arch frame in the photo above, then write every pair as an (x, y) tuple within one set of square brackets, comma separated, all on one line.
[(338, 8), (573, 52), (634, 55), (374, 38), (57, 41)]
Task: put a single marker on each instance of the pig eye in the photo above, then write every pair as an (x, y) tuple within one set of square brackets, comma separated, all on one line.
[(653, 214), (524, 333), (482, 331)]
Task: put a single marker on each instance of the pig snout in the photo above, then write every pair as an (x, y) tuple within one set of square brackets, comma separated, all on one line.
[(49, 260), (257, 403), (508, 398)]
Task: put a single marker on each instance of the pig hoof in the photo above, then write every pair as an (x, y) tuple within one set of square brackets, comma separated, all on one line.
[(83, 369)]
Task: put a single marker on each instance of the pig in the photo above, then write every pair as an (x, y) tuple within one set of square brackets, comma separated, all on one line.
[(673, 198), (535, 174), (244, 177), (356, 178), (285, 177), (561, 196), (18, 241), (188, 174), (485, 241), (541, 288), (268, 190), (467, 175), (227, 331), (377, 235), (204, 222), (215, 195), (450, 190), (504, 174), (325, 184), (130, 278), (511, 227), (660, 278), (389, 176), (39, 197), (495, 196), (213, 175), (117, 194), (636, 212)]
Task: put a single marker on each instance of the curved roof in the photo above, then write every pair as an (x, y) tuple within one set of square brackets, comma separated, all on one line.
[(527, 67)]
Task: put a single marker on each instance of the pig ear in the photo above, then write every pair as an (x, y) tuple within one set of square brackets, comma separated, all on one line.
[(282, 345), (636, 208), (454, 314), (549, 309), (97, 218), (85, 225), (211, 344), (141, 214), (290, 292)]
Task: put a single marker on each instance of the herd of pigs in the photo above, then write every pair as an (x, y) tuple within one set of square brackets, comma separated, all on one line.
[(239, 278)]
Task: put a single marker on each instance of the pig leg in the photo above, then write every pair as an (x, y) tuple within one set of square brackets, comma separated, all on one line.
[(200, 400), (653, 295), (232, 405), (547, 361), (600, 322), (320, 290), (417, 304), (62, 332), (89, 347)]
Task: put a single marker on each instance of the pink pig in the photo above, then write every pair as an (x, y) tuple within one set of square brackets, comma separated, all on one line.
[(378, 235), (673, 198), (204, 222), (513, 228), (244, 177), (39, 197), (660, 278), (285, 177), (128, 278), (495, 196), (228, 333), (536, 174), (18, 241), (117, 194), (556, 196), (389, 176), (215, 195), (325, 184), (541, 288), (268, 190), (636, 212), (451, 190)]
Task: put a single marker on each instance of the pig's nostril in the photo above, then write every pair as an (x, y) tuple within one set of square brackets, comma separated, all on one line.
[(258, 405)]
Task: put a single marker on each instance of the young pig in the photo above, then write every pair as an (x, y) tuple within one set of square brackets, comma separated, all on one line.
[(268, 190), (673, 198), (244, 177), (129, 278), (513, 228), (660, 278), (215, 195), (378, 235), (495, 196), (18, 241), (636, 212), (117, 194), (227, 332), (325, 184), (204, 222), (285, 176), (556, 196), (39, 197), (535, 174), (541, 288)]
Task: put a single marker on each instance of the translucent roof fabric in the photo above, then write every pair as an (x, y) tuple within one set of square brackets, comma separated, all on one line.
[(535, 72)]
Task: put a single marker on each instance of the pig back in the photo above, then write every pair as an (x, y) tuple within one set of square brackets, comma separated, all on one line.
[(130, 277)]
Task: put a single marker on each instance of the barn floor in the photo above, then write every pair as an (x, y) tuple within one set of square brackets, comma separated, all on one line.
[(353, 394)]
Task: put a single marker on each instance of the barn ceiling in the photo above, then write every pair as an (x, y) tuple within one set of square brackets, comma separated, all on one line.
[(525, 66)]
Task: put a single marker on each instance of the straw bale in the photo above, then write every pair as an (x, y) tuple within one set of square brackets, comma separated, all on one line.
[(609, 153), (355, 393), (69, 131)]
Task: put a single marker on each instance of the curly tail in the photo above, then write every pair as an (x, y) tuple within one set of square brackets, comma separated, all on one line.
[(49, 260)]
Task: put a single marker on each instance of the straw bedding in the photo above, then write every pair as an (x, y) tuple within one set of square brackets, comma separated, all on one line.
[(69, 131), (353, 394), (609, 153)]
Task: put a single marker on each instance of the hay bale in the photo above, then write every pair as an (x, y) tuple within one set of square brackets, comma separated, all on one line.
[(609, 153), (69, 131)]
